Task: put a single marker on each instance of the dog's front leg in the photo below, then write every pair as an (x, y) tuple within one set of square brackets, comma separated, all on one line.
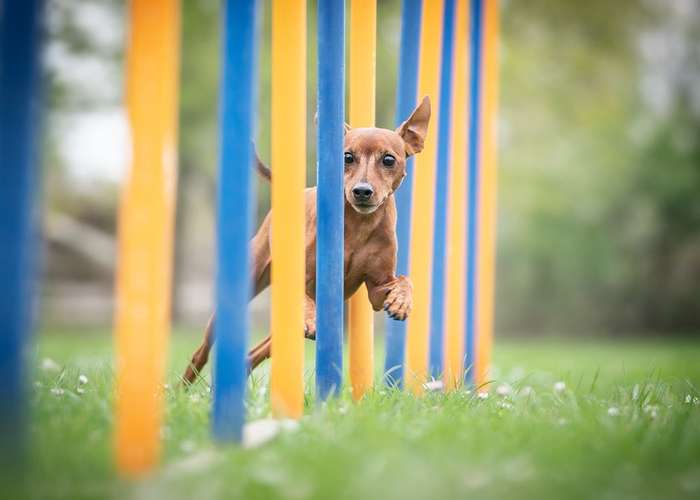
[(394, 296), (399, 300), (309, 318)]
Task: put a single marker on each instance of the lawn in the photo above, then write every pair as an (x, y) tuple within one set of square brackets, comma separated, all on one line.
[(563, 419)]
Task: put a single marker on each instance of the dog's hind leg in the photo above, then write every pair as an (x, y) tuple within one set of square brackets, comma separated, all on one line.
[(201, 355), (260, 249), (259, 353), (263, 349), (256, 355)]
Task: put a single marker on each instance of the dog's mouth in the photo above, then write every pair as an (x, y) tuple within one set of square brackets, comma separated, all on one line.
[(365, 208)]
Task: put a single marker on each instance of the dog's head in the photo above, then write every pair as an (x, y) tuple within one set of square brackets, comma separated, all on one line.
[(375, 159)]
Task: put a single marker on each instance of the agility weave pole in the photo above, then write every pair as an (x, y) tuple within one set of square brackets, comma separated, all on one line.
[(474, 158), (235, 214), (146, 226), (423, 204), (442, 181), (486, 253), (363, 52), (330, 198), (20, 37), (457, 220), (406, 94), (287, 239)]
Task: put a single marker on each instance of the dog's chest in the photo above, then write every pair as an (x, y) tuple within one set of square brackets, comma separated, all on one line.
[(356, 260), (356, 256)]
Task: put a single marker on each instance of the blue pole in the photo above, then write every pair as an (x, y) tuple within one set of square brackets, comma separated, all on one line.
[(330, 199), (475, 34), (236, 199), (20, 38), (437, 303), (405, 103)]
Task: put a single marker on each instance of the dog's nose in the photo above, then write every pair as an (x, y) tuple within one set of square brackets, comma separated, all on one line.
[(362, 191)]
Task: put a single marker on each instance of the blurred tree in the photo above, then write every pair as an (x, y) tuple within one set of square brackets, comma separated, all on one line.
[(589, 235), (198, 139), (665, 285)]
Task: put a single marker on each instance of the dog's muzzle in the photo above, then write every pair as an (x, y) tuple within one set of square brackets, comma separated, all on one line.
[(362, 192)]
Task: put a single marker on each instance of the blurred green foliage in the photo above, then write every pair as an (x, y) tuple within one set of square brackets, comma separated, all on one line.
[(599, 216)]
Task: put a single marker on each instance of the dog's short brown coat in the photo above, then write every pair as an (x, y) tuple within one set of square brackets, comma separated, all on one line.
[(370, 230)]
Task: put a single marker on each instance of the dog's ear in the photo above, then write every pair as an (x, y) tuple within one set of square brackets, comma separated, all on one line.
[(414, 130), (346, 127)]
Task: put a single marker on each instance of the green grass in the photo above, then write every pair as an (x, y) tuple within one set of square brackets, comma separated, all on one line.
[(627, 425)]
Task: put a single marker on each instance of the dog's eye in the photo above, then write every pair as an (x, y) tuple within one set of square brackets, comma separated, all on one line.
[(388, 161), (349, 158)]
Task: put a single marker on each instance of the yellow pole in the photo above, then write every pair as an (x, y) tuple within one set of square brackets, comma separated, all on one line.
[(287, 193), (146, 222), (418, 328), (457, 210), (489, 185), (363, 42)]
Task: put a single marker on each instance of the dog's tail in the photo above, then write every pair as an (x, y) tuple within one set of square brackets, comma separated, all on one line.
[(262, 169)]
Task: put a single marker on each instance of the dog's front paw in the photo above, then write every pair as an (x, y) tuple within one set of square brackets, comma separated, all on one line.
[(399, 301)]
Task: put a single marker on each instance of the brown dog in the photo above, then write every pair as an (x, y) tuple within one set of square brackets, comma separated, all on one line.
[(375, 165)]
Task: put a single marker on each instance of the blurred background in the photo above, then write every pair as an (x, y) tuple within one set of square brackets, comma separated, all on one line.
[(599, 195)]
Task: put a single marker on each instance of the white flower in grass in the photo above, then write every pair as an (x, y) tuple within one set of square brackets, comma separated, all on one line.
[(614, 411), (259, 432), (504, 390), (57, 391), (527, 391), (433, 386), (49, 365), (482, 395), (692, 400), (651, 410), (82, 379), (505, 405), (80, 390), (559, 387)]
